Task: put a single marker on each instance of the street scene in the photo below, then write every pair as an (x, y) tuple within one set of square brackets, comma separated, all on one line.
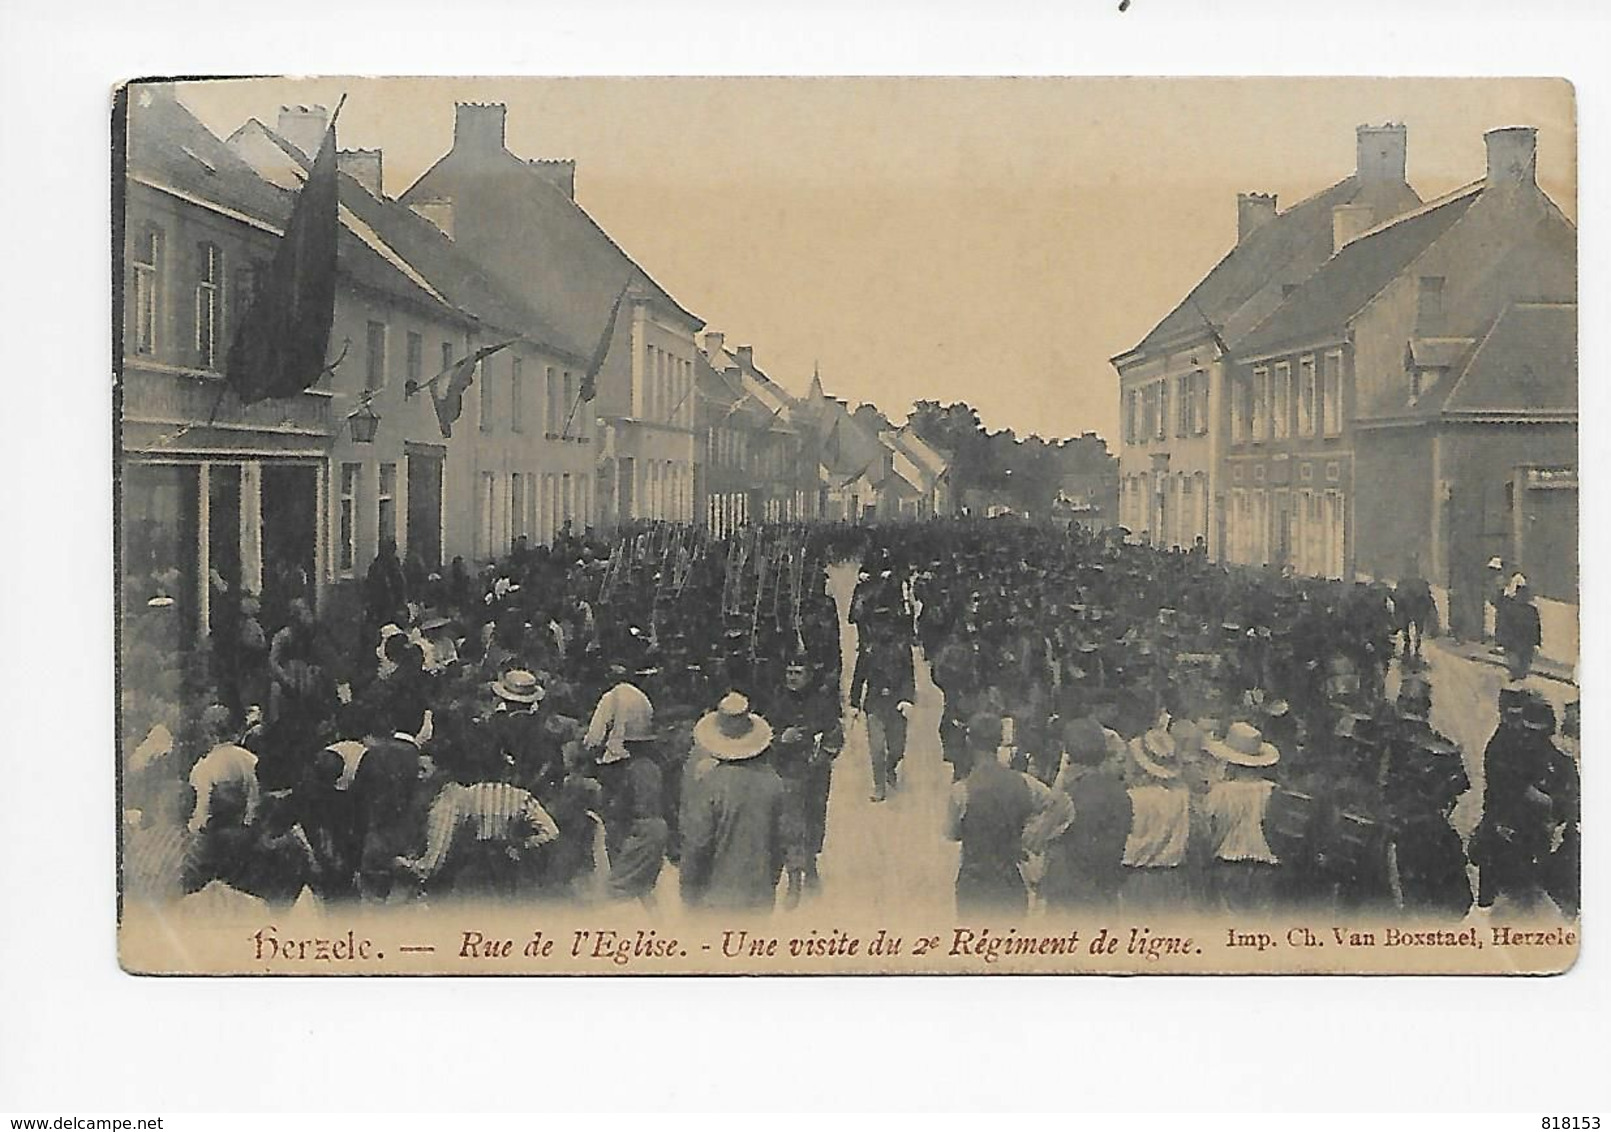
[(1107, 539)]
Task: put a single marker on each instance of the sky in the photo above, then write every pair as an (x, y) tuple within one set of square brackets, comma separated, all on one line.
[(988, 240)]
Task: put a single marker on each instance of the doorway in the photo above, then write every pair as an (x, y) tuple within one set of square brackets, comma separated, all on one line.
[(290, 537), (425, 505)]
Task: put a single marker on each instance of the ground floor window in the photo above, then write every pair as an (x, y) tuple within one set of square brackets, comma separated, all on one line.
[(347, 521)]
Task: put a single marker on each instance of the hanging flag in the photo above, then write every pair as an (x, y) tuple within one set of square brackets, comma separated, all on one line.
[(590, 380), (279, 347), (460, 375)]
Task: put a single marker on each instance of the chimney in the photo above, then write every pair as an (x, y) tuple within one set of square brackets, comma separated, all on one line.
[(304, 127), (560, 172), (713, 343), (1381, 153), (1348, 223), (1253, 211), (478, 126), (363, 166), (438, 212), (746, 356), (1512, 155)]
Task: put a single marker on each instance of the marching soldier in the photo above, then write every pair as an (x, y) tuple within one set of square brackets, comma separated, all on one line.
[(805, 719), (1524, 788), (884, 688), (1424, 776)]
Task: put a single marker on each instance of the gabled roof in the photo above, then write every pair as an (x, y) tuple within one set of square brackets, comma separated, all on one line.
[(1349, 280), (723, 391), (928, 459), (427, 253), (169, 146), (1238, 291), (846, 447), (1527, 363), (529, 200)]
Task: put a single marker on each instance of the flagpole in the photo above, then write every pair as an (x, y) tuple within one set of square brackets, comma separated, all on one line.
[(565, 432)]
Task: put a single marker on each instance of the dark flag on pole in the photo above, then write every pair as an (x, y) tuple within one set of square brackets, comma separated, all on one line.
[(279, 347), (590, 380), (450, 401)]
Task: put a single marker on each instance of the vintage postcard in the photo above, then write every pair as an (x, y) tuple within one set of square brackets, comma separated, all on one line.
[(824, 526)]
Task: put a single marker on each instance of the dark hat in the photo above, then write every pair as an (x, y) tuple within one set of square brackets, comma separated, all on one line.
[(1513, 698), (1538, 715), (984, 731)]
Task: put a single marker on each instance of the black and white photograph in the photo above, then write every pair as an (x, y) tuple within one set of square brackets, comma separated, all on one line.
[(727, 526)]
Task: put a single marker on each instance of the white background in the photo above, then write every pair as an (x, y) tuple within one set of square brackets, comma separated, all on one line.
[(78, 1036)]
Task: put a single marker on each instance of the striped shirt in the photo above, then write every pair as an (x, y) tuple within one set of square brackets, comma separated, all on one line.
[(490, 811)]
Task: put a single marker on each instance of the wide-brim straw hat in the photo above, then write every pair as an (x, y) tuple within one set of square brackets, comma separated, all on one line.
[(1243, 745), (1154, 753), (732, 732), (518, 686)]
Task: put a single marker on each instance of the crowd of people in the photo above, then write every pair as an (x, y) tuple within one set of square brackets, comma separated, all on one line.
[(1125, 726)]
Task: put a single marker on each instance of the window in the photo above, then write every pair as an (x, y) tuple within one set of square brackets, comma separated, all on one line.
[(1331, 394), (1239, 406), (1160, 422), (386, 504), (1281, 402), (1306, 396), (1183, 404), (550, 401), (147, 289), (517, 504), (1259, 414), (517, 395), (568, 403), (567, 496), (347, 535), (1335, 536), (647, 382), (375, 356), (485, 403), (414, 358), (209, 288), (447, 357), (487, 530), (1201, 409)]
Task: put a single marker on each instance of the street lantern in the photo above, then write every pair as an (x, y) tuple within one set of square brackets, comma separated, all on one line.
[(363, 421)]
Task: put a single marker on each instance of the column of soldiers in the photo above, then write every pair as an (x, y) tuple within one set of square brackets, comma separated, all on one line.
[(616, 703), (1196, 671), (526, 733)]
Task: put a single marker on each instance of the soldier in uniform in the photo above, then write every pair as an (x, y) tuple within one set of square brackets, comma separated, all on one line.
[(1424, 776), (956, 674), (1522, 790), (808, 737), (884, 688)]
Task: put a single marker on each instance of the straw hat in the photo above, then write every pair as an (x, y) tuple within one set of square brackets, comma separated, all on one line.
[(518, 686), (1154, 752), (1244, 746), (732, 732)]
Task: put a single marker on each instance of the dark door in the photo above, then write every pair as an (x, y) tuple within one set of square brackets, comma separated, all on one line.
[(425, 507), (290, 536), (625, 501), (223, 544)]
